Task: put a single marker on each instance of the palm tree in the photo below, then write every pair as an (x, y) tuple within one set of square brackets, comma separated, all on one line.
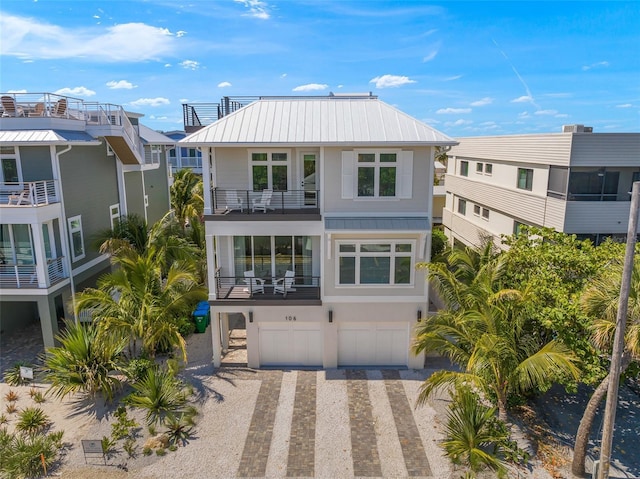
[(137, 301), (484, 329), (130, 231), (84, 361), (600, 300), (187, 199)]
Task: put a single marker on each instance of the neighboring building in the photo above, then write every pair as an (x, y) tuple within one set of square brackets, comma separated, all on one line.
[(69, 170), (182, 157), (327, 202), (576, 181)]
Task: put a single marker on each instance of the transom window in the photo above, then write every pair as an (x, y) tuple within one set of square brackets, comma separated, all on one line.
[(377, 173), (375, 262), (269, 171)]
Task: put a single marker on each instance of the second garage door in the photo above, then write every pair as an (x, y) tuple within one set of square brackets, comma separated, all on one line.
[(373, 344), (290, 344)]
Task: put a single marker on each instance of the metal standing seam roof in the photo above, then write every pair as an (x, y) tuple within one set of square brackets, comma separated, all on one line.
[(46, 137), (153, 137), (319, 121), (373, 224)]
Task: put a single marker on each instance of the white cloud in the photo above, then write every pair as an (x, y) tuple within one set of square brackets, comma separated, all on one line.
[(224, 84), (284, 75), (453, 110), (595, 65), (311, 87), (77, 91), (121, 85), (483, 101), (257, 8), (180, 33), (624, 105), (546, 112), (150, 102), (561, 115), (522, 99), (17, 91), (29, 38), (524, 114), (190, 64), (455, 77), (458, 122), (167, 65), (387, 81), (430, 56)]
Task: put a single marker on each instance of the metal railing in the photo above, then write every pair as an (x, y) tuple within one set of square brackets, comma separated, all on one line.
[(203, 114), (26, 275), (256, 202), (29, 193), (295, 288)]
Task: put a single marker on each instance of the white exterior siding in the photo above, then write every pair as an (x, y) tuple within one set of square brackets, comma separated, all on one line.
[(554, 213), (587, 217), (606, 149)]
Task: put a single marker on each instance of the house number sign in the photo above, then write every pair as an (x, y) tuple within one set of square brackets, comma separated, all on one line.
[(290, 318)]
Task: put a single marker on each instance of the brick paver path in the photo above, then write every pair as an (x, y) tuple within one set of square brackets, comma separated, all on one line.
[(366, 461), (258, 442), (415, 457), (302, 443)]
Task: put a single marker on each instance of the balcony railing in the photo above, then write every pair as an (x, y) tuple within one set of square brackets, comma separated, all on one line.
[(250, 202), (26, 275), (302, 288), (29, 193)]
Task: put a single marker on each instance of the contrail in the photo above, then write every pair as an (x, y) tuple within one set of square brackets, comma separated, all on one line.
[(524, 84)]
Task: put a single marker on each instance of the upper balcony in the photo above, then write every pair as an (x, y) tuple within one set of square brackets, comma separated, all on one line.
[(266, 205), (38, 111), (29, 193), (15, 275)]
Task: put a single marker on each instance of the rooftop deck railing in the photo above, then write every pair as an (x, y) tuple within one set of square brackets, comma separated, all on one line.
[(238, 289), (29, 193), (251, 202)]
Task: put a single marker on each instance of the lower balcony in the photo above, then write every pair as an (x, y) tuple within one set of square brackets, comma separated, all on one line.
[(28, 193), (23, 276), (243, 205), (301, 290)]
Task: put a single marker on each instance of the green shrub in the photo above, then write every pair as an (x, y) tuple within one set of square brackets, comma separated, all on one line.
[(11, 408), (108, 445), (32, 420), (173, 447), (3, 419), (130, 447), (22, 455), (122, 428), (186, 327), (12, 376), (147, 451), (136, 369), (38, 398), (439, 243), (161, 452)]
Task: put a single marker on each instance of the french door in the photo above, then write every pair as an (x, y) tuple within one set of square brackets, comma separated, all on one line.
[(309, 179)]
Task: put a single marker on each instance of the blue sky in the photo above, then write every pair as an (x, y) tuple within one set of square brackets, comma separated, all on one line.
[(466, 68)]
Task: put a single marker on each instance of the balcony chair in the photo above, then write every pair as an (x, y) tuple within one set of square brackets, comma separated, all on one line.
[(60, 108), (19, 199), (38, 110), (256, 285), (9, 108), (284, 285), (263, 203), (233, 201)]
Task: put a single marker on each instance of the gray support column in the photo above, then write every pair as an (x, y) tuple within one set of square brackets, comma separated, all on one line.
[(48, 320), (215, 339), (225, 332)]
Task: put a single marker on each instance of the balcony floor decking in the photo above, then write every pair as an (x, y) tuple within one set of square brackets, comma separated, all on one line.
[(301, 295), (299, 214)]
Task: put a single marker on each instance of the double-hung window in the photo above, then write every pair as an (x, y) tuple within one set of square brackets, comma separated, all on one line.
[(269, 171), (464, 168), (375, 262), (75, 235), (377, 174)]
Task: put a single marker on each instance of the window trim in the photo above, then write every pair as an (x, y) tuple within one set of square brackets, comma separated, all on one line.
[(485, 213), (376, 165), (114, 214), (12, 156), (462, 205), (464, 168), (72, 231), (487, 167), (479, 167), (528, 184), (392, 254), (477, 210), (269, 165)]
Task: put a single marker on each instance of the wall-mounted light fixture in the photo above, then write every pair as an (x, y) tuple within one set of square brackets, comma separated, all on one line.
[(251, 316), (419, 315), (331, 316)]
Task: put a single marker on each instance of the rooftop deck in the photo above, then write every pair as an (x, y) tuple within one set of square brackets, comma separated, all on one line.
[(267, 205)]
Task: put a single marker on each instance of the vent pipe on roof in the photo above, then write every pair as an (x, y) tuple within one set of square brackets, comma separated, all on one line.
[(577, 129)]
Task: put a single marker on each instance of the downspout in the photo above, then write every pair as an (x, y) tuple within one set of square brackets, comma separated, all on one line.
[(65, 230)]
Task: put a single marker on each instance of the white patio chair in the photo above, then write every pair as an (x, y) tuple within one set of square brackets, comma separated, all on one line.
[(19, 199), (256, 285), (263, 202), (284, 285), (9, 107), (234, 202)]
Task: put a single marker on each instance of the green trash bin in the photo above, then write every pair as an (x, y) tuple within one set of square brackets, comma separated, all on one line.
[(201, 318)]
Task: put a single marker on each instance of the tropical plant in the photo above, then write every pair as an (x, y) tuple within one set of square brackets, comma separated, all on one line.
[(38, 398), (11, 396), (13, 377), (179, 428), (23, 455), (3, 419), (124, 425), (484, 329), (160, 394), (600, 301), (129, 231), (137, 301), (11, 408), (186, 196), (84, 361), (32, 420), (473, 436)]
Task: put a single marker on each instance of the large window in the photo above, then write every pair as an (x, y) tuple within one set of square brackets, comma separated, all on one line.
[(377, 174), (462, 206), (375, 262), (525, 179), (272, 256), (594, 185), (269, 171), (75, 235), (464, 168), (9, 165), (557, 187)]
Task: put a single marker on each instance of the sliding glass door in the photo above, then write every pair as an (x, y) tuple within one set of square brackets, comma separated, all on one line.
[(272, 256)]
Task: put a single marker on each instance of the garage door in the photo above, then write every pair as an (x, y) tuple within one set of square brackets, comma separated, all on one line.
[(290, 344), (373, 344)]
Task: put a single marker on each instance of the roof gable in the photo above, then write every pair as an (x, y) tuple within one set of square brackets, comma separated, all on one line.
[(318, 121)]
